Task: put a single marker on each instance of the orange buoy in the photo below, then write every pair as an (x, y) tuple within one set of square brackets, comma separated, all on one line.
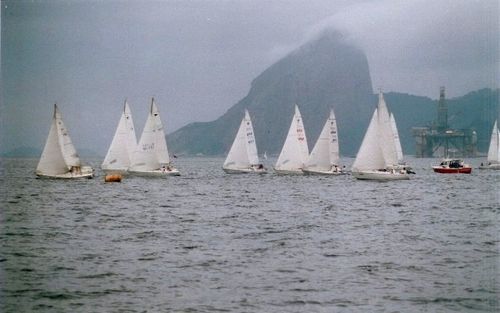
[(113, 178)]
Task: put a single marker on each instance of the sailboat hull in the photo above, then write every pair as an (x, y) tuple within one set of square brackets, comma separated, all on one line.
[(288, 172), (244, 171), (86, 172), (322, 172), (490, 167), (156, 173), (380, 175)]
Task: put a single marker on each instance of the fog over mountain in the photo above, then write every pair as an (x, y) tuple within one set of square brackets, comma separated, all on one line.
[(198, 58), (322, 74), (328, 72)]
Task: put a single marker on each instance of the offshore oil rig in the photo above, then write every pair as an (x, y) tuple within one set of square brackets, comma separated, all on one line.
[(441, 141)]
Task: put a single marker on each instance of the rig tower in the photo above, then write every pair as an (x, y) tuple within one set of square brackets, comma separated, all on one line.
[(441, 141)]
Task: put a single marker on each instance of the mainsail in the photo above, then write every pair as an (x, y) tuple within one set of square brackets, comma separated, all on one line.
[(152, 150), (370, 154), (386, 133), (494, 149), (295, 150), (123, 145), (380, 148), (243, 152), (59, 154), (325, 153), (397, 142)]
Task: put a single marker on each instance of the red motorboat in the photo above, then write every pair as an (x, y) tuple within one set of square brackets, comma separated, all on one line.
[(452, 166)]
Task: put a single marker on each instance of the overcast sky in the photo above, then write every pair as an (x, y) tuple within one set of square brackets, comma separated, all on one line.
[(198, 58)]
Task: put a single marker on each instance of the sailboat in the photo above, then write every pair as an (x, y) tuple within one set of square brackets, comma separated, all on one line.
[(243, 157), (151, 157), (123, 145), (493, 150), (377, 158), (295, 150), (59, 158), (324, 158)]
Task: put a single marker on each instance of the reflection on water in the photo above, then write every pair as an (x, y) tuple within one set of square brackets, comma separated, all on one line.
[(209, 241)]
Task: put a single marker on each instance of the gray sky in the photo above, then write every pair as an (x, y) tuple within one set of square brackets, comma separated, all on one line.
[(198, 58)]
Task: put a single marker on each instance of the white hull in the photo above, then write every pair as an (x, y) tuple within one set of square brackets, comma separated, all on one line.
[(155, 173), (244, 171), (320, 172), (490, 167), (380, 175), (289, 172), (86, 172)]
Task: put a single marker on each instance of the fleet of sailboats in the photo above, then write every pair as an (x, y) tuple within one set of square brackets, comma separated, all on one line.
[(380, 156), (243, 157), (123, 145), (324, 158), (59, 158), (377, 158), (493, 158), (151, 157), (295, 151)]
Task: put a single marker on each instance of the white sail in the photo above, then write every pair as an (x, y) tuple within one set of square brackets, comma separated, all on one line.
[(370, 156), (151, 150), (243, 152), (494, 149), (59, 158), (52, 161), (160, 139), (386, 133), (253, 156), (397, 142), (295, 150), (325, 153), (123, 145)]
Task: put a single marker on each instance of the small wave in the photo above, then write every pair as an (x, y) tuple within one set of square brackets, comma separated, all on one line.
[(94, 276)]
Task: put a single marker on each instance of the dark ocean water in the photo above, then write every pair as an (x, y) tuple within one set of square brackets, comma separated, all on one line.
[(212, 242)]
